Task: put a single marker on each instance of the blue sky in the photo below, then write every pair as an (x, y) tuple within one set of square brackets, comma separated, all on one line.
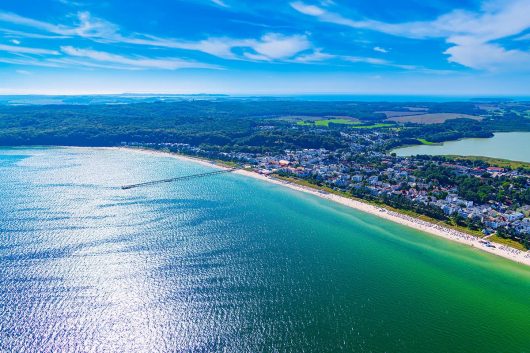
[(440, 47)]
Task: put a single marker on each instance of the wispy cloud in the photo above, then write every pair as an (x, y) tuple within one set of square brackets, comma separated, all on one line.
[(71, 3), (15, 49), (466, 31), (268, 47), (135, 62), (315, 57), (220, 3), (498, 19), (319, 56), (28, 61), (271, 46), (311, 10), (276, 46), (28, 22), (11, 33), (380, 50)]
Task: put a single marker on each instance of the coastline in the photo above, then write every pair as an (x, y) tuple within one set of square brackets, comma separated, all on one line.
[(396, 217)]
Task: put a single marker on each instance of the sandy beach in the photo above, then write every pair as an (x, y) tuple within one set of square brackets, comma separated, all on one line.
[(428, 227)]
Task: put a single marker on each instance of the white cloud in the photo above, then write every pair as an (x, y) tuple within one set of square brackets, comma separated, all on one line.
[(28, 62), (358, 59), (15, 49), (319, 56), (71, 3), (10, 33), (23, 72), (485, 56), (277, 46), (86, 26), (15, 41), (271, 46), (135, 62), (316, 56), (327, 16), (28, 22), (220, 47), (380, 50), (497, 22), (92, 27), (306, 9), (220, 3), (82, 63), (256, 57), (465, 30)]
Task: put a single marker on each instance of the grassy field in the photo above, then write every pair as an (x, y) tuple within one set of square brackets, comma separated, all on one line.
[(425, 142), (503, 163), (374, 126), (326, 122), (348, 121), (434, 118), (395, 113)]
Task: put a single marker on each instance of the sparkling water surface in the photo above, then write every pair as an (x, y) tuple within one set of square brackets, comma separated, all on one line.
[(229, 264)]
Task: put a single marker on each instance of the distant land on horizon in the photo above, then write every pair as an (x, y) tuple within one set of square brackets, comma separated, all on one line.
[(124, 98)]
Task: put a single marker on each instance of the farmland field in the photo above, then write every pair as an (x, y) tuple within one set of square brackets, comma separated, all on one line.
[(434, 118), (326, 122), (373, 126), (395, 113)]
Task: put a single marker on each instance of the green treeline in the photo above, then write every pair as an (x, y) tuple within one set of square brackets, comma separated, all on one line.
[(480, 190), (245, 125), (215, 123)]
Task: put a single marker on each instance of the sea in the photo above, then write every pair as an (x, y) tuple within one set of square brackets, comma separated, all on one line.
[(228, 263)]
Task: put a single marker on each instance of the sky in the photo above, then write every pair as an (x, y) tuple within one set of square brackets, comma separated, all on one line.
[(270, 47)]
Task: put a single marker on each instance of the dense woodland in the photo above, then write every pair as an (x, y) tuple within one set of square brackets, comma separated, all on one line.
[(231, 124)]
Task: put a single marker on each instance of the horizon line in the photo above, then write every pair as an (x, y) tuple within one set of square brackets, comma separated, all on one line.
[(251, 94)]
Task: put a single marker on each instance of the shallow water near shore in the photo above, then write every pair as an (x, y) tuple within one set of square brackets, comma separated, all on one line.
[(229, 263)]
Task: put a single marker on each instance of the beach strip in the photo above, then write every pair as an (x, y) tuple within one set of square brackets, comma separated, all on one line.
[(507, 252)]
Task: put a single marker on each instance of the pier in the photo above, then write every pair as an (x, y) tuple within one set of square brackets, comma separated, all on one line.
[(185, 177)]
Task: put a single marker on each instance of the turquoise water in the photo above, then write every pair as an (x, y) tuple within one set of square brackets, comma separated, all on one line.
[(229, 263), (514, 146)]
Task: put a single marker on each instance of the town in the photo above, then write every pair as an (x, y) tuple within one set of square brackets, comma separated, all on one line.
[(490, 199)]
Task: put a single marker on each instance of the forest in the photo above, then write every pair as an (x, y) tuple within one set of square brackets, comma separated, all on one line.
[(249, 125)]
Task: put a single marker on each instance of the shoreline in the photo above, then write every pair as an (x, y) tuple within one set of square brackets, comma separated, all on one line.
[(501, 250)]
